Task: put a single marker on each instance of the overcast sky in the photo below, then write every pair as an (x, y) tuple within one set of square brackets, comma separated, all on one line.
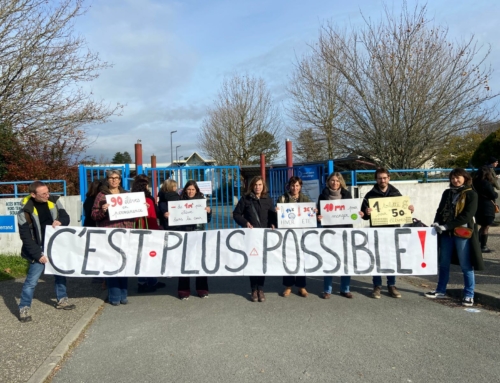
[(170, 57)]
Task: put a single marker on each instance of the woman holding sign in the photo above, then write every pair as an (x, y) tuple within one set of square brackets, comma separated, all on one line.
[(454, 223), (191, 191), (335, 189), (168, 192), (256, 209), (117, 286), (294, 195)]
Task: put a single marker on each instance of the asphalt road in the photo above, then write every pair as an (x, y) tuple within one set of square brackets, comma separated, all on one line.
[(226, 338)]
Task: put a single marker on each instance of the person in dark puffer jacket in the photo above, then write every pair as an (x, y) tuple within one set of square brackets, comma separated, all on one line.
[(485, 215)]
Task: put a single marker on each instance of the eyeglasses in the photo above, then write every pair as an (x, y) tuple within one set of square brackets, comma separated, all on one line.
[(382, 178), (113, 178)]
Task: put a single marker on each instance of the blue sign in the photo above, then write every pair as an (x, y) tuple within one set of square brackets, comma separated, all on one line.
[(7, 224)]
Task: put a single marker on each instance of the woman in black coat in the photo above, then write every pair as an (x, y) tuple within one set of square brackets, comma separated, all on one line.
[(485, 215), (454, 222), (256, 209), (192, 191), (93, 191), (168, 193), (335, 189)]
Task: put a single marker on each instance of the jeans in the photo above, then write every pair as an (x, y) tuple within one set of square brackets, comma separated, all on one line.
[(446, 247), (35, 271), (117, 289), (345, 282), (292, 280), (391, 280), (150, 281)]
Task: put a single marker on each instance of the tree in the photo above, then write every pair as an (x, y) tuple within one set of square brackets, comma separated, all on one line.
[(489, 147), (43, 66), (459, 151), (263, 142), (409, 88), (121, 158), (314, 88), (232, 133)]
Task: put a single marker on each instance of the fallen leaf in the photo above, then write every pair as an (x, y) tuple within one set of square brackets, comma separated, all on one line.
[(7, 270)]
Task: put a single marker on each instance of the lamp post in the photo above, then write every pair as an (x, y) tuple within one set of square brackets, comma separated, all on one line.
[(171, 151), (178, 146)]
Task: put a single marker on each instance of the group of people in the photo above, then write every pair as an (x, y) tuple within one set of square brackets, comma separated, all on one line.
[(463, 203)]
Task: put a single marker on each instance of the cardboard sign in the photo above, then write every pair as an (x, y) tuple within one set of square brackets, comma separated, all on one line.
[(88, 252), (205, 187), (296, 215), (187, 212), (390, 211), (126, 205), (340, 211)]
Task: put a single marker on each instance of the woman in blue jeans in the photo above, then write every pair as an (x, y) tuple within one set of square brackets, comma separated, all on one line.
[(335, 189), (454, 223)]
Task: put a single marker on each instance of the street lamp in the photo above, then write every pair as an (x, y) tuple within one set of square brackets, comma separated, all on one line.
[(171, 151), (178, 146)]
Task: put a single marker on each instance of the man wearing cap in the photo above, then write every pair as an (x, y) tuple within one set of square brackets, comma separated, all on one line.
[(38, 210), (492, 164)]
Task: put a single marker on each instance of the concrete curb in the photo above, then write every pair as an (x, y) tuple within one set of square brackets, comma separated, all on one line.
[(62, 348), (481, 297)]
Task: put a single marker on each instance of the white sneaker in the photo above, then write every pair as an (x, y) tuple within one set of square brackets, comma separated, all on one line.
[(468, 302), (435, 295)]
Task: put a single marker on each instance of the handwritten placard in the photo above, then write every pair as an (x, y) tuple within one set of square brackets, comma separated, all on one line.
[(340, 212), (390, 211), (205, 187), (187, 212), (296, 215), (126, 205)]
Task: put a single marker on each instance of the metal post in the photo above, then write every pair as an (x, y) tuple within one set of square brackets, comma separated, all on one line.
[(178, 146), (263, 166), (171, 151), (138, 159), (154, 177), (289, 157)]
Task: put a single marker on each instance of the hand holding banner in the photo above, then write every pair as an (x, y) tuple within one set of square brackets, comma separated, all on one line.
[(187, 212), (390, 211), (340, 212), (126, 205), (296, 215)]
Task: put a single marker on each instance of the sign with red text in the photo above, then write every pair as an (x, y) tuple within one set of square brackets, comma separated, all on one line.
[(117, 252), (297, 215), (340, 211), (390, 211), (126, 205), (187, 212)]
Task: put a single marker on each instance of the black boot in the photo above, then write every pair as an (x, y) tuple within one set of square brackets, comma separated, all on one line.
[(484, 240)]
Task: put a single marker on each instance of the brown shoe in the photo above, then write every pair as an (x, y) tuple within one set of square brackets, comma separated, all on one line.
[(262, 297), (346, 295), (376, 292), (326, 296), (254, 297), (287, 292), (303, 292), (393, 292)]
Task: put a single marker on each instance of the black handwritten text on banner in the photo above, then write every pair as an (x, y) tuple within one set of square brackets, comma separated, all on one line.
[(88, 252)]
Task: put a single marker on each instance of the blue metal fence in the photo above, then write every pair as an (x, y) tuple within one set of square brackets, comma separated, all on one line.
[(88, 174), (16, 193)]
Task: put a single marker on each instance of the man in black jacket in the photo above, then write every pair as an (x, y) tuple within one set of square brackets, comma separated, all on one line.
[(38, 210), (382, 189)]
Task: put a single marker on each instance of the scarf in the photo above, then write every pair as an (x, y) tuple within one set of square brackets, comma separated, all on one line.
[(334, 194)]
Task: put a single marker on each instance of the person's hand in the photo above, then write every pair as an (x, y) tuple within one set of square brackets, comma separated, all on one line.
[(368, 211), (147, 205), (249, 225), (361, 214), (276, 209), (56, 223), (272, 227), (320, 217), (439, 228), (208, 210), (44, 259), (411, 208), (105, 207), (166, 215)]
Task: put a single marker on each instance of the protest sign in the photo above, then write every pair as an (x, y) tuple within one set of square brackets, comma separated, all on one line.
[(87, 252), (187, 212), (205, 187), (126, 205), (340, 212), (390, 211), (297, 215)]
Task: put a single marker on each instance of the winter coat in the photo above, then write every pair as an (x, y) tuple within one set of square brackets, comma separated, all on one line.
[(196, 227), (29, 225), (463, 216), (261, 215), (377, 193), (87, 210), (486, 196), (150, 222), (164, 199), (324, 196)]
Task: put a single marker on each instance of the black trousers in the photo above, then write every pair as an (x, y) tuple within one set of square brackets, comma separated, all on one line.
[(185, 285), (257, 283), (292, 280)]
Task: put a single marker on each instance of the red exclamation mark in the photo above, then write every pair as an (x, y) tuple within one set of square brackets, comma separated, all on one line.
[(421, 235)]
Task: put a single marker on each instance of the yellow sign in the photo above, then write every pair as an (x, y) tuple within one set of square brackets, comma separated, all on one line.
[(390, 211)]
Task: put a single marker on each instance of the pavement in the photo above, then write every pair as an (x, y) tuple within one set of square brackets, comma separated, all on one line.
[(226, 338)]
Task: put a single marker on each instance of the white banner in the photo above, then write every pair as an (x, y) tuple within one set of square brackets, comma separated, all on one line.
[(187, 212), (126, 205), (340, 211), (88, 252), (297, 215)]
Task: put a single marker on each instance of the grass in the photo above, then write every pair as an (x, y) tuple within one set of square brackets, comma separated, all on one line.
[(12, 267)]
